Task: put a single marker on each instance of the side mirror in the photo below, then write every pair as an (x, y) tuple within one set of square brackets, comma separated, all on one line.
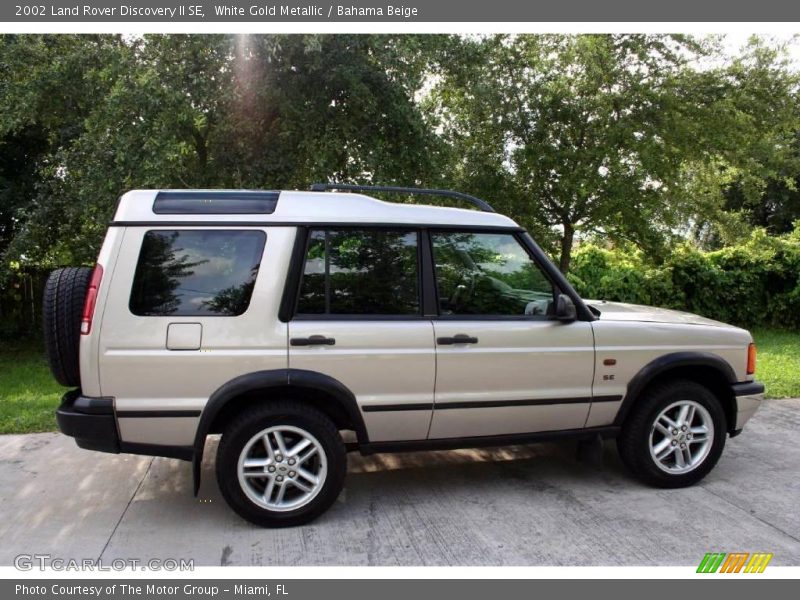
[(565, 309)]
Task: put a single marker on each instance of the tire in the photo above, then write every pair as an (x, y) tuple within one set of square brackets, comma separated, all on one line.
[(62, 309), (640, 434), (243, 438)]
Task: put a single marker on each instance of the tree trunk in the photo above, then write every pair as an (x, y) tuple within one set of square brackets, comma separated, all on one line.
[(201, 148), (566, 247)]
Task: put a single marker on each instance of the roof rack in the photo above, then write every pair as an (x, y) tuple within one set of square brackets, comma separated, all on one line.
[(481, 204)]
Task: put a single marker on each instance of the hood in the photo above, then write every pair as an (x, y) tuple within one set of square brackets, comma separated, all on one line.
[(620, 311)]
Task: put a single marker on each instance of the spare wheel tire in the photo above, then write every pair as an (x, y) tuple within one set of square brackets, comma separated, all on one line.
[(64, 296)]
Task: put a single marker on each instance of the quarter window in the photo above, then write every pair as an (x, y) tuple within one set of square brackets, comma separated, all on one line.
[(196, 273), (360, 272), (488, 274)]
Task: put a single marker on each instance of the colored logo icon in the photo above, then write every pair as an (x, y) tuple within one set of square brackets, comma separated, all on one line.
[(734, 562)]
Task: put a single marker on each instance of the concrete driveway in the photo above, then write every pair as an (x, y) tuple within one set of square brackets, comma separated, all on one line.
[(524, 505)]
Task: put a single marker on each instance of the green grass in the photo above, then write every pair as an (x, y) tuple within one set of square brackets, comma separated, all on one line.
[(29, 395), (778, 362)]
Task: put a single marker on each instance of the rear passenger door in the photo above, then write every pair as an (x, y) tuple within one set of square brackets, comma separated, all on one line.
[(358, 318), (188, 309), (504, 365)]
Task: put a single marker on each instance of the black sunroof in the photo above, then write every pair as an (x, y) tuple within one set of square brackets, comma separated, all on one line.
[(215, 203)]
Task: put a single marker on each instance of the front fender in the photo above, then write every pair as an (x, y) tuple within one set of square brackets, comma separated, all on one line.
[(665, 363)]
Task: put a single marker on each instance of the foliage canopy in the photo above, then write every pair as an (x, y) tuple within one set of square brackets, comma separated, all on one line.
[(643, 139)]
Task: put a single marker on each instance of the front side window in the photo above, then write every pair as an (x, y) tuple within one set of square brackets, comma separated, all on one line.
[(196, 273), (360, 272), (488, 274)]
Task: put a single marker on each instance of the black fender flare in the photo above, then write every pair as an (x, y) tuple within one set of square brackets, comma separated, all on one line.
[(264, 380), (665, 363)]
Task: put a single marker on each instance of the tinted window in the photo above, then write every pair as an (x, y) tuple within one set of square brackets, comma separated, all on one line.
[(360, 272), (488, 274), (215, 203), (196, 273)]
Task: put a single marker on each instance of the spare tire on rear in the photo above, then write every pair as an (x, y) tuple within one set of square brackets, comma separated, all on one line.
[(64, 296)]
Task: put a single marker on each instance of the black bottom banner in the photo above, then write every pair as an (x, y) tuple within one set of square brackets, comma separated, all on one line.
[(391, 589)]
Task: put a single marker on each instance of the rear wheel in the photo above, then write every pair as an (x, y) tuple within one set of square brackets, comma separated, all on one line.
[(674, 436), (281, 464), (62, 309)]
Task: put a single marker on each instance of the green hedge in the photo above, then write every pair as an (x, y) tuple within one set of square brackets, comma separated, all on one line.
[(751, 284)]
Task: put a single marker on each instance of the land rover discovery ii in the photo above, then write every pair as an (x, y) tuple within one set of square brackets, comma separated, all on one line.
[(284, 320)]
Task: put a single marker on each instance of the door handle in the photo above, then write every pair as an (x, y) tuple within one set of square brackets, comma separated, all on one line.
[(314, 340), (461, 338)]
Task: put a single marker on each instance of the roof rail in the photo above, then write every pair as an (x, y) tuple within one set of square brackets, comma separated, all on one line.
[(481, 204)]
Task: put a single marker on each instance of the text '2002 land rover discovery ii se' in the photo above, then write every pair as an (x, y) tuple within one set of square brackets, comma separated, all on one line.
[(281, 319)]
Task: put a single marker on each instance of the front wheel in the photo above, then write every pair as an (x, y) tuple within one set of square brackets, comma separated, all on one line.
[(281, 464), (674, 436)]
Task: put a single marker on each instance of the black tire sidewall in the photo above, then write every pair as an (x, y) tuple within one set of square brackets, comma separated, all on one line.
[(634, 443), (242, 429)]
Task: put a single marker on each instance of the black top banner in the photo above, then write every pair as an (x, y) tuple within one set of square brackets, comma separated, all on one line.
[(199, 11)]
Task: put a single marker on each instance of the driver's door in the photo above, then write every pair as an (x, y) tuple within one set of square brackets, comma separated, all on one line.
[(503, 365)]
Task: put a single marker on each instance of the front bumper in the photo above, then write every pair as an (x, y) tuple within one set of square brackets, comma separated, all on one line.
[(90, 421), (749, 396)]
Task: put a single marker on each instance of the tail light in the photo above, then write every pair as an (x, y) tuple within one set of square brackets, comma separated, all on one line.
[(751, 359), (91, 300)]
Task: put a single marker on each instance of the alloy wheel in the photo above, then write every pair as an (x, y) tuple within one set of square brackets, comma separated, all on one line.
[(282, 468), (681, 437)]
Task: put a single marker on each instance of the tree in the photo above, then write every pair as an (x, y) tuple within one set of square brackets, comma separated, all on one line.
[(754, 178), (776, 209), (48, 86), (623, 135), (201, 111), (599, 133)]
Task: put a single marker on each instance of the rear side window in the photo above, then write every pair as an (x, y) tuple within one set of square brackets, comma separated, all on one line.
[(360, 272), (196, 273)]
